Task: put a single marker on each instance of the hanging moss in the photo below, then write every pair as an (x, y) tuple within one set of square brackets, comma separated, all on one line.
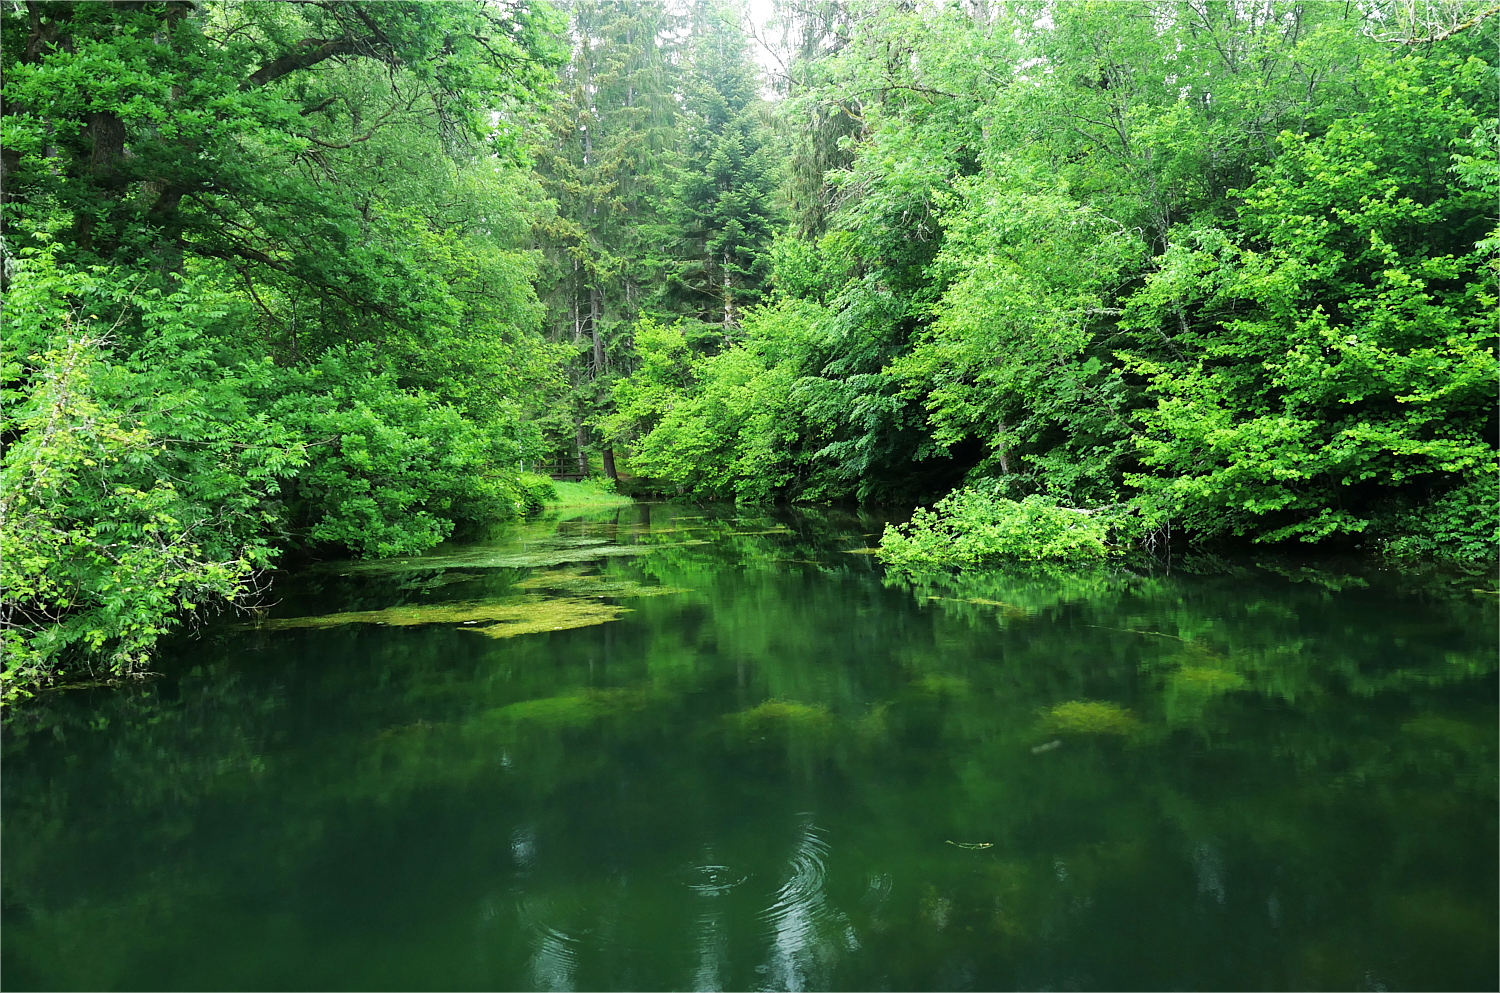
[(501, 618)]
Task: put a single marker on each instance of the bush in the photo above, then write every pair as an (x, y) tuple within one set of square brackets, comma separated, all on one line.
[(535, 491), (100, 551), (1462, 526), (973, 526)]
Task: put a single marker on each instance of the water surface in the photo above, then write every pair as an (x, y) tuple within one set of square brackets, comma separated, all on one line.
[(785, 770)]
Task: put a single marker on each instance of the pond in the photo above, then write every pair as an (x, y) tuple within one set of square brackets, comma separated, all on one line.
[(670, 747)]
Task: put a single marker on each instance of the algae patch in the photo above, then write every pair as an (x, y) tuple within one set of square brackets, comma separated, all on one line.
[(578, 584), (550, 555), (569, 711), (1210, 680), (1090, 717), (780, 717), (939, 684), (500, 618)]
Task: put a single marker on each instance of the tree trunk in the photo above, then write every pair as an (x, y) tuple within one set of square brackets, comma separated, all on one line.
[(609, 464), (729, 316), (594, 308), (583, 459), (577, 308)]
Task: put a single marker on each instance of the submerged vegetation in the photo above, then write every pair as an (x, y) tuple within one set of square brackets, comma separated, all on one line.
[(289, 281), (502, 618), (1090, 717)]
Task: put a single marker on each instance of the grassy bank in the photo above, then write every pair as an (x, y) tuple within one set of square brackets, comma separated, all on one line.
[(588, 493)]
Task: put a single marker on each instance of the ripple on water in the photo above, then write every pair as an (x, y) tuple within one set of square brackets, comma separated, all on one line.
[(713, 880), (807, 934), (554, 953)]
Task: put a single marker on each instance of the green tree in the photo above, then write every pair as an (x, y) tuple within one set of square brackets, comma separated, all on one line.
[(723, 199), (303, 229)]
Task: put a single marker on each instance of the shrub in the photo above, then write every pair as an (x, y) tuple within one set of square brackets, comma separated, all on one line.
[(972, 526), (535, 491), (1462, 526)]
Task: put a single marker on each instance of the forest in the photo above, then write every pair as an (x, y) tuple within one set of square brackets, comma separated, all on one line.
[(313, 279)]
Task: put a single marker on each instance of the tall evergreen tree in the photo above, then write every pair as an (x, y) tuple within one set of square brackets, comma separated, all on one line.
[(613, 138), (724, 197)]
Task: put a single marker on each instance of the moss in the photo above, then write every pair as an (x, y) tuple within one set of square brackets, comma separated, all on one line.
[(1090, 717), (502, 618)]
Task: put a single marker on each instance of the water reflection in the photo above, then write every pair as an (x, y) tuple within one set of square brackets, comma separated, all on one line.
[(792, 771), (554, 953), (807, 934)]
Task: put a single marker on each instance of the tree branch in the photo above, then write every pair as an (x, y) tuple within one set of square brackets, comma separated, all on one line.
[(307, 53)]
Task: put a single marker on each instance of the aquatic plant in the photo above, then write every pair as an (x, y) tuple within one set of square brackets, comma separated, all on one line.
[(1090, 717), (568, 711), (939, 684), (587, 493), (576, 583), (780, 717), (550, 555), (500, 618)]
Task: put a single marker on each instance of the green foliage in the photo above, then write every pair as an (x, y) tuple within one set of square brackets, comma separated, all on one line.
[(726, 426), (1236, 273), (970, 527), (584, 494), (250, 305), (1462, 525), (402, 470), (1359, 361), (536, 491), (100, 551)]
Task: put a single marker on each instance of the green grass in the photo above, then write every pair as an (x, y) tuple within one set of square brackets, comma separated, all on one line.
[(587, 493)]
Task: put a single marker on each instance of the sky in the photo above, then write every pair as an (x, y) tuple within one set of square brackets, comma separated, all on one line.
[(760, 15)]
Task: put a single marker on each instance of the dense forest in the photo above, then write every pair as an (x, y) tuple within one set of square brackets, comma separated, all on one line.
[(316, 278)]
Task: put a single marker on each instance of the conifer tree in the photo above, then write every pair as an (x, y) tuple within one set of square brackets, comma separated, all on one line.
[(723, 199), (613, 137)]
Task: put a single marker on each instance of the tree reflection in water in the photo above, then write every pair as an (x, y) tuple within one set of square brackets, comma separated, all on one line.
[(801, 772)]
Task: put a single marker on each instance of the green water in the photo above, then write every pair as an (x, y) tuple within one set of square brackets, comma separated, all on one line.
[(792, 773)]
